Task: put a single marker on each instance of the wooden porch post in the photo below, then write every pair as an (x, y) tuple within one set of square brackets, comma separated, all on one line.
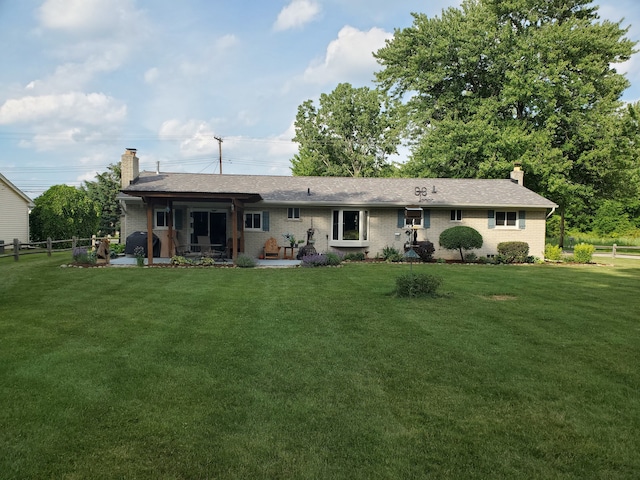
[(170, 225), (234, 227), (149, 232)]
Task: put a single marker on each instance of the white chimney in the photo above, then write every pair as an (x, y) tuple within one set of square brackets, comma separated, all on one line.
[(517, 175), (129, 167)]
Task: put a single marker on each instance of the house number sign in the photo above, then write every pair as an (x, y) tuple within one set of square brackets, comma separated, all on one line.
[(422, 193)]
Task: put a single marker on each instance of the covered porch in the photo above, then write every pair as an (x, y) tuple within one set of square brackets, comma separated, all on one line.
[(194, 224)]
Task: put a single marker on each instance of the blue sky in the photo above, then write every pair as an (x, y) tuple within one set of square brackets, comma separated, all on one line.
[(81, 80)]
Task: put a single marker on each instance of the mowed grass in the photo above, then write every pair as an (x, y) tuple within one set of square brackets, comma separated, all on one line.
[(512, 372)]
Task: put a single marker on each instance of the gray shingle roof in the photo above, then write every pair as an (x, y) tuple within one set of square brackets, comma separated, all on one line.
[(345, 190)]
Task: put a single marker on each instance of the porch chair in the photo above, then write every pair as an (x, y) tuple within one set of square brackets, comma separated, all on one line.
[(205, 245), (207, 249), (271, 249)]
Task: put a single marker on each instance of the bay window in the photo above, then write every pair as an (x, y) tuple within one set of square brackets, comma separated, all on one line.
[(350, 228)]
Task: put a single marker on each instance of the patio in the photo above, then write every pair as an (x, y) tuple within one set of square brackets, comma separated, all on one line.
[(130, 261)]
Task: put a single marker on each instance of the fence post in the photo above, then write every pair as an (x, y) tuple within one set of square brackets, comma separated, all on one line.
[(49, 245), (1, 247), (613, 251), (93, 242), (16, 249), (74, 243)]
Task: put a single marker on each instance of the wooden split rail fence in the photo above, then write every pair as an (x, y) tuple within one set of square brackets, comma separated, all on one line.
[(18, 248)]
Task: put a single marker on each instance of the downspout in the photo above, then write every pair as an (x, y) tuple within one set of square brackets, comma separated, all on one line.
[(553, 210)]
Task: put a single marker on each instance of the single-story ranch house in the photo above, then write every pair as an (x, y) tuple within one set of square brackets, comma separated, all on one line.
[(185, 210)]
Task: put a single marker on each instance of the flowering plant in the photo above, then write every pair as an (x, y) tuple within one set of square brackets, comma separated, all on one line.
[(290, 237)]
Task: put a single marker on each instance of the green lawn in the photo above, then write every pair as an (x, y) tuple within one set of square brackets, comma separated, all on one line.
[(513, 372)]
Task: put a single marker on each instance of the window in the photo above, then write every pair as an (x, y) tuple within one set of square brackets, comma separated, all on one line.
[(350, 227), (413, 215), (506, 219), (161, 218), (456, 215), (293, 213), (253, 221)]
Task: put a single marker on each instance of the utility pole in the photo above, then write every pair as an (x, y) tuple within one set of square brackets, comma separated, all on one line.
[(219, 139)]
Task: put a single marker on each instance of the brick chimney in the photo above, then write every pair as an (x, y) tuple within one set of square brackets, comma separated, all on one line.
[(517, 175), (129, 167)]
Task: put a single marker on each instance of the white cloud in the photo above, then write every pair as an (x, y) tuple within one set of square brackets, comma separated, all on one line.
[(350, 54), (151, 75), (196, 136), (297, 14), (85, 108), (83, 16)]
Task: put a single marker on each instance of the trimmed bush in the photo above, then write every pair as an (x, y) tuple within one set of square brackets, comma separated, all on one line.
[(245, 261), (417, 285), (460, 238), (354, 256), (583, 252), (552, 252), (514, 252), (333, 258)]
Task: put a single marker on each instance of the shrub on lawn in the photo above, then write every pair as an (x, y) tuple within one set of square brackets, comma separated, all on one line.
[(552, 252), (460, 238), (417, 285), (583, 252), (245, 261), (514, 252)]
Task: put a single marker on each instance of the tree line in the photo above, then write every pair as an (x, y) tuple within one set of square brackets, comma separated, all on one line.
[(481, 87)]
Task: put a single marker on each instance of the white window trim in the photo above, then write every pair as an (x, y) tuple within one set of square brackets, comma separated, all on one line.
[(166, 218), (506, 227), (363, 229), (456, 220), (416, 225), (293, 218), (253, 212)]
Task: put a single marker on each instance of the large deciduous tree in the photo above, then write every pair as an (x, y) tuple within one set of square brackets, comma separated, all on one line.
[(532, 81), (351, 134), (104, 192), (63, 212)]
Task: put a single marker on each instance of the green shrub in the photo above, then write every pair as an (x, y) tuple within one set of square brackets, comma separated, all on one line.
[(245, 261), (180, 260), (552, 252), (470, 257), (417, 285), (460, 238), (117, 248), (391, 254), (514, 252), (334, 258), (354, 257), (583, 252)]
